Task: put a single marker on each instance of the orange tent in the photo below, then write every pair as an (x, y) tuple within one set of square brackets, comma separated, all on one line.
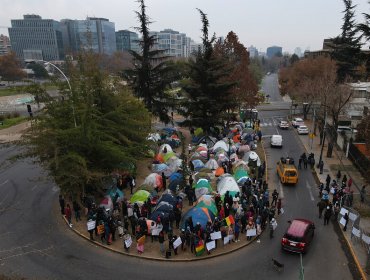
[(219, 171)]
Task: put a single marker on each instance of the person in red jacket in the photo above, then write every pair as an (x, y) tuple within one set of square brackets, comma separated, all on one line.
[(68, 213)]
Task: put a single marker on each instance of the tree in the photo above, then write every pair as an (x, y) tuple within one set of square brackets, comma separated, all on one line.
[(208, 93), (149, 75), (38, 70), (245, 90), (39, 92), (111, 129), (293, 59), (365, 29), (10, 67), (347, 46)]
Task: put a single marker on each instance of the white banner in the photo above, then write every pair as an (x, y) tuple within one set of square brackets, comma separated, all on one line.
[(128, 242), (216, 235), (177, 242), (342, 221), (352, 216), (211, 245), (366, 239), (231, 236), (251, 232), (226, 240), (356, 232), (343, 211), (91, 224)]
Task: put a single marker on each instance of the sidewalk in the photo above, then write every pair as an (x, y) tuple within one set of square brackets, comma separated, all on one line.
[(13, 133), (338, 161)]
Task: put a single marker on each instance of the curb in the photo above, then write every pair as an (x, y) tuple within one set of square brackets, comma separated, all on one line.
[(155, 258), (358, 265)]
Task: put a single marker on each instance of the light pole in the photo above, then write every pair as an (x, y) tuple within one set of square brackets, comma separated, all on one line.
[(65, 77)]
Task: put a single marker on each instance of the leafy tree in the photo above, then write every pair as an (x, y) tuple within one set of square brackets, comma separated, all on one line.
[(39, 92), (38, 70), (256, 70), (347, 46), (245, 90), (10, 67), (208, 93), (111, 128), (149, 76), (365, 29)]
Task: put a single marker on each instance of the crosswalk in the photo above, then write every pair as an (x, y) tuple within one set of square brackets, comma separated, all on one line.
[(272, 121)]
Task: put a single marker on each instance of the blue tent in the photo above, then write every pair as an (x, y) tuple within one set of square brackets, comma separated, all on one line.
[(198, 164), (199, 215), (166, 197), (173, 185), (164, 207), (175, 176)]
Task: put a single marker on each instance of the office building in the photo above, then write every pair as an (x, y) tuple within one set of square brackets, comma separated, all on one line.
[(253, 52), (173, 43), (4, 44), (127, 40), (34, 38), (97, 34), (274, 51)]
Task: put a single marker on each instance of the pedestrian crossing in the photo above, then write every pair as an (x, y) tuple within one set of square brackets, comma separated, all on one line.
[(272, 121)]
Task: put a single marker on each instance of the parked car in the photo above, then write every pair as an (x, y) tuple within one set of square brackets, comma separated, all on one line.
[(298, 236), (284, 125), (297, 122), (276, 141), (302, 129), (345, 129)]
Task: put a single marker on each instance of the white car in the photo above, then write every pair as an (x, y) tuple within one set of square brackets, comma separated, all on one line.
[(283, 125), (302, 129), (276, 141), (297, 122)]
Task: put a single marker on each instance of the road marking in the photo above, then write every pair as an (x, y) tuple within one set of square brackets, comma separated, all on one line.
[(281, 191), (34, 187), (310, 191), (3, 183)]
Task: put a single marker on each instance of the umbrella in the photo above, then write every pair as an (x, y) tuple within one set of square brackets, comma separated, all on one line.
[(202, 187), (107, 203), (140, 197), (199, 215), (198, 164), (113, 192), (208, 202)]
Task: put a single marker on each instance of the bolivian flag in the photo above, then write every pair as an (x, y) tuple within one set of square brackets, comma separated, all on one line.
[(200, 248), (230, 220)]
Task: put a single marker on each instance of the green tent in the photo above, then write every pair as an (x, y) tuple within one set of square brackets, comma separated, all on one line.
[(139, 196), (241, 175), (208, 202), (167, 156), (202, 187)]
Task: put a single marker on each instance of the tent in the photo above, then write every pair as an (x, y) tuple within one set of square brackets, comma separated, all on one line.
[(174, 185), (201, 148), (140, 197), (159, 168), (208, 202), (115, 191), (211, 164), (167, 197), (198, 164), (244, 148), (219, 171), (174, 163), (241, 175), (154, 180), (164, 207), (209, 141), (240, 164), (220, 145), (198, 132), (107, 203), (199, 215), (202, 187), (252, 157), (167, 156), (201, 175), (227, 183), (175, 176), (162, 148)]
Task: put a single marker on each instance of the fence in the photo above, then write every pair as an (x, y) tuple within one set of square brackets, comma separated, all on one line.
[(359, 238)]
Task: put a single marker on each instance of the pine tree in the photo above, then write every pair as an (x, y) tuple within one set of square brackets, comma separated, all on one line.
[(150, 75), (365, 30), (208, 94), (347, 46)]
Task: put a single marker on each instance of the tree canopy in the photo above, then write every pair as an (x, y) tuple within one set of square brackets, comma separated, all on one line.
[(10, 67)]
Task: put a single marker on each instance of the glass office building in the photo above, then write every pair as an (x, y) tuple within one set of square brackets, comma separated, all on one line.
[(127, 40)]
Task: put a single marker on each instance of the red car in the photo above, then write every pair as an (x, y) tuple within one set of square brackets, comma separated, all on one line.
[(298, 236)]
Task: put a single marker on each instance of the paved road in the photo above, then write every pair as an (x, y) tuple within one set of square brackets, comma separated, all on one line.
[(36, 244)]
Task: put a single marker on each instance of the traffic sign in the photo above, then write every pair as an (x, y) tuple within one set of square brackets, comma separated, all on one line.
[(311, 135)]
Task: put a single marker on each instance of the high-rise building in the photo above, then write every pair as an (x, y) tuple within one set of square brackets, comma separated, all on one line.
[(273, 51), (195, 47), (173, 43), (298, 51), (34, 38), (127, 40), (97, 34), (4, 44), (253, 52)]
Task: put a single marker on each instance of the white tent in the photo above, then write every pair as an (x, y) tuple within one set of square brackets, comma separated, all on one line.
[(252, 157), (226, 183), (211, 164), (221, 144), (168, 147)]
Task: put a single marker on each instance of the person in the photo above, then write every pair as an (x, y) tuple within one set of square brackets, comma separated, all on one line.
[(305, 161), (236, 231), (363, 193), (349, 183), (161, 243), (62, 204), (339, 175), (68, 213), (126, 237), (275, 196), (76, 209), (328, 180), (327, 215), (278, 207), (346, 218), (164, 182), (344, 180), (189, 149), (91, 215), (321, 204), (132, 183), (321, 166), (272, 227), (300, 163)]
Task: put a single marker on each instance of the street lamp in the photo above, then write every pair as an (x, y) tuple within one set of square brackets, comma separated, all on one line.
[(65, 77)]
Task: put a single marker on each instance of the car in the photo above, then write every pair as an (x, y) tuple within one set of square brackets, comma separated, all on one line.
[(283, 125), (345, 129), (297, 122), (302, 129), (287, 171), (298, 236), (276, 141)]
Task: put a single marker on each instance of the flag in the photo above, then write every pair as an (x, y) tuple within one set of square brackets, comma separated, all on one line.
[(230, 220), (199, 249)]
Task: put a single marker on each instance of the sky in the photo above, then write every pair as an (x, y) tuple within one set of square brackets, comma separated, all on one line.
[(261, 23)]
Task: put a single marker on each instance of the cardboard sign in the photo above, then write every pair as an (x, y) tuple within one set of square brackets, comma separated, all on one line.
[(343, 211), (156, 231), (128, 241), (251, 232), (231, 236), (356, 232), (177, 242), (100, 229), (342, 221), (226, 240), (91, 225), (282, 211), (352, 216), (216, 235), (211, 245), (366, 239)]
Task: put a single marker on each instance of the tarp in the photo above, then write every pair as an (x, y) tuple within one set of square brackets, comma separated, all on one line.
[(107, 203), (199, 215), (208, 202), (140, 197), (226, 183), (202, 187), (241, 175), (198, 164), (154, 180), (211, 164)]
